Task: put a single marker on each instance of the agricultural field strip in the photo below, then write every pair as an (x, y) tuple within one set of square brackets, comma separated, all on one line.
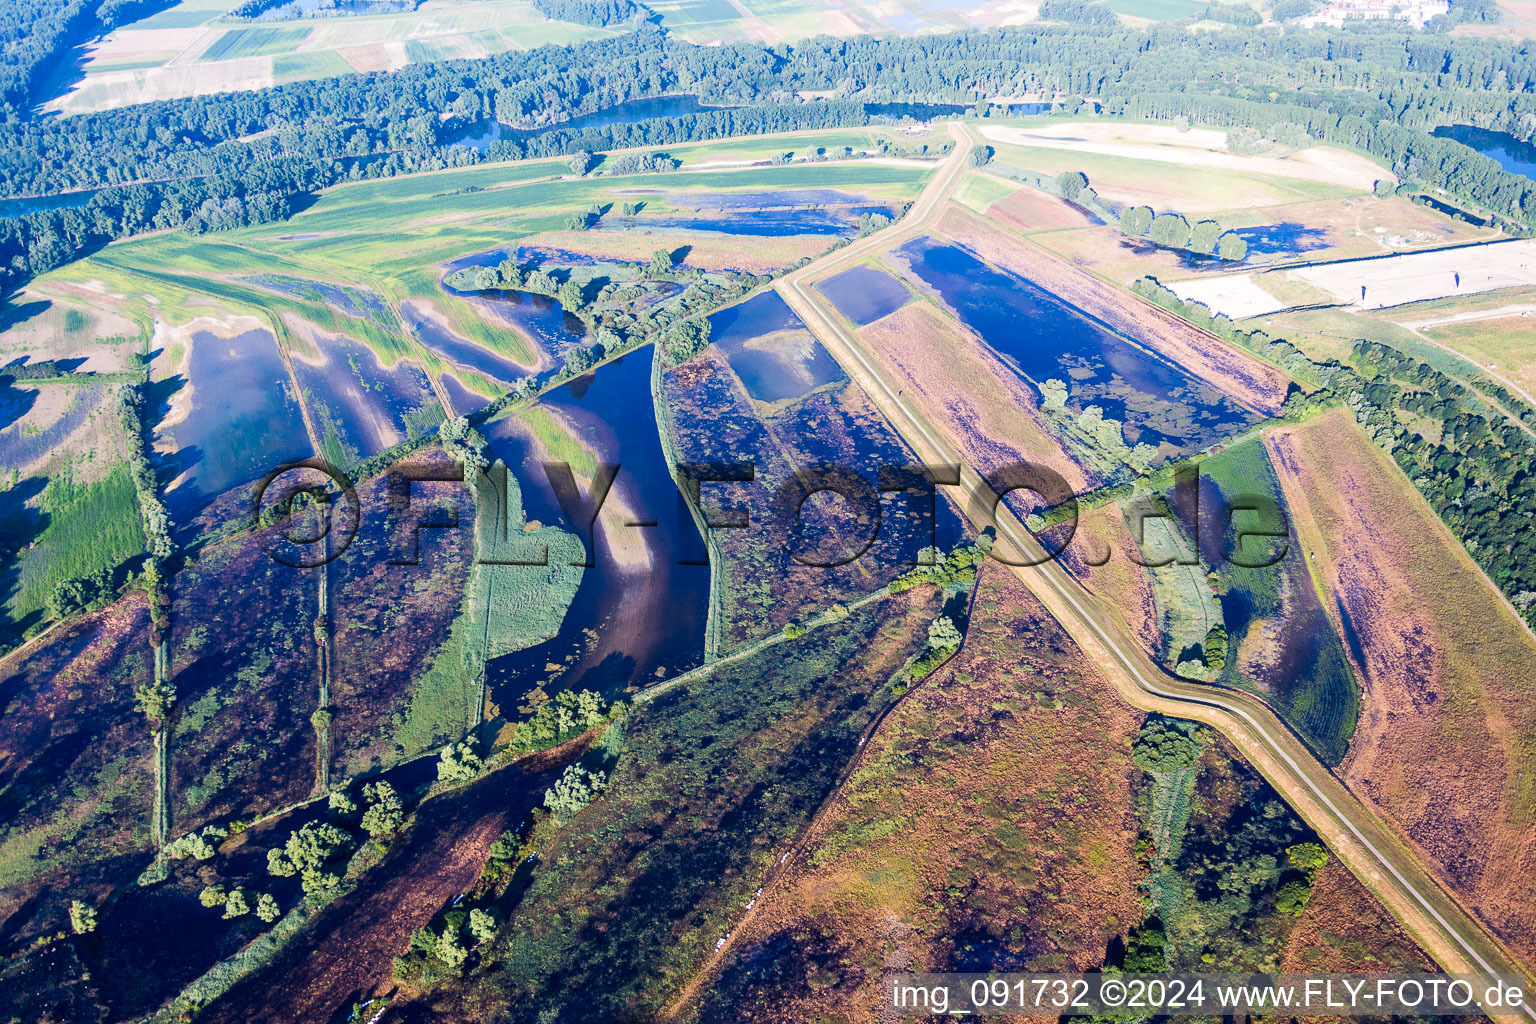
[(1357, 836)]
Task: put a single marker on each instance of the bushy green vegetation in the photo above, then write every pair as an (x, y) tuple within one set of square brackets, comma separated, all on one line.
[(956, 568), (569, 715), (1225, 874), (309, 852), (1477, 473), (575, 789)]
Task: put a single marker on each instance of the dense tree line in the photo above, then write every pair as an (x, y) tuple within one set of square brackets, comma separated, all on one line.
[(598, 13), (1478, 474), (221, 161)]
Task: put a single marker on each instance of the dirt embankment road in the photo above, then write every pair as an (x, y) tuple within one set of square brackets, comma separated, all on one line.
[(1378, 856)]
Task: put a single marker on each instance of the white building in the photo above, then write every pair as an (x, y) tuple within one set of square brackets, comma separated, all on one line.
[(1411, 12)]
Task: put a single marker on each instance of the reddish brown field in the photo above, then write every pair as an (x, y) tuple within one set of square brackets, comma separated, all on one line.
[(1029, 209), (1346, 929), (1097, 557), (991, 817), (76, 771), (1446, 745), (1245, 378)]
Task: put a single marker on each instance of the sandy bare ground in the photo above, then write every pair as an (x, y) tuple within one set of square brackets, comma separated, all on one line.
[(1446, 743), (1414, 277), (1239, 296), (121, 88), (1245, 378), (1201, 147)]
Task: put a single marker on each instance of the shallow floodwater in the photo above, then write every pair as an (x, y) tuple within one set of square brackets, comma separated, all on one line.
[(625, 627), (865, 294), (242, 422), (771, 222), (539, 316), (356, 403), (462, 351), (1285, 237), (1044, 338), (772, 352), (464, 400)]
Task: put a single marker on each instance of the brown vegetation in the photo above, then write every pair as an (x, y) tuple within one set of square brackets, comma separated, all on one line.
[(955, 380), (1446, 745), (991, 820), (75, 769)]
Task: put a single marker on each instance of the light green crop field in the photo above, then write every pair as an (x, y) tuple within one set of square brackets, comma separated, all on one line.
[(713, 21), (390, 238), (188, 50)]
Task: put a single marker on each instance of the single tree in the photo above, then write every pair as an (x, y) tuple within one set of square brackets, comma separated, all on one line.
[(482, 925), (1232, 246), (386, 811), (236, 904), (1071, 184), (943, 634), (267, 908), (82, 917)]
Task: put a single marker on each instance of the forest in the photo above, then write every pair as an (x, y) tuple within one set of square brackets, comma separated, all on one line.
[(219, 161)]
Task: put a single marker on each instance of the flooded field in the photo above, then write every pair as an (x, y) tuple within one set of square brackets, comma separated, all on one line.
[(771, 350), (1046, 339), (464, 400), (865, 294), (1283, 644), (769, 222), (21, 446), (231, 416), (1283, 238), (351, 301), (461, 351), (359, 406), (481, 134), (633, 620)]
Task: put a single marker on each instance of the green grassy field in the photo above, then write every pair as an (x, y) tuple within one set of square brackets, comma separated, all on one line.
[(255, 42), (90, 527), (1157, 10)]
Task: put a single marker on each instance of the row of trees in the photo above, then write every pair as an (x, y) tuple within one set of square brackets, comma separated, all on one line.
[(213, 162)]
